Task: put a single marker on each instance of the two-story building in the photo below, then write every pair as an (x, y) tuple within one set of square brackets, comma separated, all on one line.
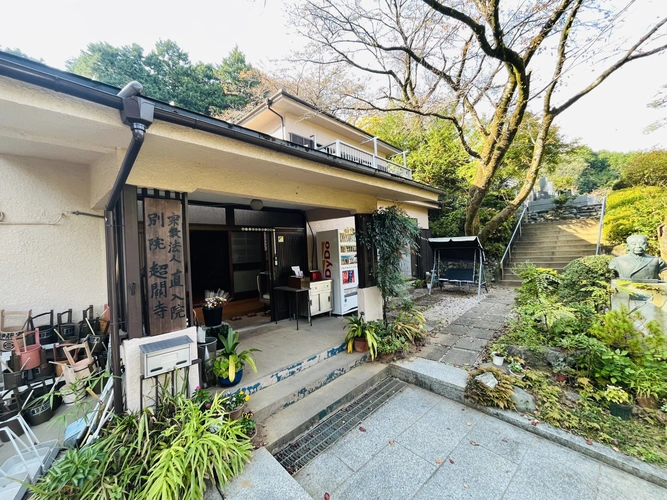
[(113, 198)]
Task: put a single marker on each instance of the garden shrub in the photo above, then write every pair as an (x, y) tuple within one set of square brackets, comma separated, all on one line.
[(586, 280), (500, 396), (635, 210)]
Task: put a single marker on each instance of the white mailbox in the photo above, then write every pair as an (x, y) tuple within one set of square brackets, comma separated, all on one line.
[(164, 356)]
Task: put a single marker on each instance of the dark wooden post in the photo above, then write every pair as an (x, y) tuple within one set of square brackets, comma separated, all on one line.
[(366, 256), (130, 264)]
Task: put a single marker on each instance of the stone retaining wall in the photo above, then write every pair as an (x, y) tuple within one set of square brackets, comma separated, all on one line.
[(566, 213)]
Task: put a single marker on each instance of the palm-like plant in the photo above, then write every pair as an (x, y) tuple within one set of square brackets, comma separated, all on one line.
[(358, 327), (232, 360)]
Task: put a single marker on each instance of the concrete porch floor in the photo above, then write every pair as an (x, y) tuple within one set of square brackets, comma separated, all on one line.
[(284, 350)]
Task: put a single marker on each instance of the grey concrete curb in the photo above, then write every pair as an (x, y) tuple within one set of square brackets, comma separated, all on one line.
[(447, 382)]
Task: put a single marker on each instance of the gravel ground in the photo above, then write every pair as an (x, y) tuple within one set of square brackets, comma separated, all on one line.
[(446, 304)]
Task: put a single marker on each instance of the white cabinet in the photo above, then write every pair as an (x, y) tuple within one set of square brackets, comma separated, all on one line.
[(321, 297)]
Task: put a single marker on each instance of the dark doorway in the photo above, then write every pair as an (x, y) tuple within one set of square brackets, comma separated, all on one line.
[(210, 262), (291, 250)]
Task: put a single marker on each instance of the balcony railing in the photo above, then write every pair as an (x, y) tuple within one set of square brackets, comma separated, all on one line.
[(344, 150)]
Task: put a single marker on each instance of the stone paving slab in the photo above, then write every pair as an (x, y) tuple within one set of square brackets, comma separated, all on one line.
[(263, 479), (471, 344), (459, 357), (422, 446), (481, 333)]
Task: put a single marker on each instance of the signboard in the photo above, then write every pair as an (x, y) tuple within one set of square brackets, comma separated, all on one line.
[(163, 227)]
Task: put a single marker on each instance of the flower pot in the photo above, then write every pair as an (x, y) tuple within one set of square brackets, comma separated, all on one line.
[(561, 377), (647, 402), (212, 317), (225, 382), (624, 412), (14, 380), (237, 413), (360, 345), (518, 375), (386, 356), (252, 433), (498, 359)]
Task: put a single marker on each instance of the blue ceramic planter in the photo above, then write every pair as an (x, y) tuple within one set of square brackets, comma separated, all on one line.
[(225, 382)]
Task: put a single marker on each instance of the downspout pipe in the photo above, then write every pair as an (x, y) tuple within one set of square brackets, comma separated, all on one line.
[(282, 120), (137, 113)]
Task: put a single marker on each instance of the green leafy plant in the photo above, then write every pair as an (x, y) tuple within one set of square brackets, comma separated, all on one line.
[(248, 423), (391, 345), (235, 361), (167, 453), (234, 401), (358, 327), (587, 280), (390, 232), (615, 394)]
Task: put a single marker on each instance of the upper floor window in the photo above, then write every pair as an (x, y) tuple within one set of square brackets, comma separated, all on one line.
[(301, 140)]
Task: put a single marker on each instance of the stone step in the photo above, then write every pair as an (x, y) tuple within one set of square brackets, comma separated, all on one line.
[(554, 244), (547, 259), (556, 237), (560, 254), (255, 383), (439, 378), (268, 401), (510, 283), (552, 263), (285, 425), (262, 478)]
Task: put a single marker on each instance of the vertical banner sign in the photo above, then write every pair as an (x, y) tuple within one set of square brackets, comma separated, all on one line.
[(163, 226)]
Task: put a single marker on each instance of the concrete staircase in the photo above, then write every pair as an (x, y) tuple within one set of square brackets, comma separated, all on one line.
[(552, 244), (291, 401)]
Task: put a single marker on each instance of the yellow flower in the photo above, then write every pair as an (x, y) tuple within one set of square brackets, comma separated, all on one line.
[(247, 398)]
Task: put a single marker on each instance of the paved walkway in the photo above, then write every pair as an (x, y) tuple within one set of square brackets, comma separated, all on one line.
[(423, 446), (461, 342)]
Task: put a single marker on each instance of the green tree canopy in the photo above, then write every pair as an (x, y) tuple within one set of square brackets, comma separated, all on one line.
[(646, 169), (167, 74)]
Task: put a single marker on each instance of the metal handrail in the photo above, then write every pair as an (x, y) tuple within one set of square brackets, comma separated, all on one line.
[(509, 245), (602, 211)]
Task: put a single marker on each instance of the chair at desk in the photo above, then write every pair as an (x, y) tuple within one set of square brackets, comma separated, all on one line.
[(263, 289)]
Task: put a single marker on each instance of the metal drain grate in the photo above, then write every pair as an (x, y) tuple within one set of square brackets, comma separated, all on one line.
[(298, 453)]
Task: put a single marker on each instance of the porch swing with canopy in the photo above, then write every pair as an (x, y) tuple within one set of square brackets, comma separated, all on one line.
[(458, 259)]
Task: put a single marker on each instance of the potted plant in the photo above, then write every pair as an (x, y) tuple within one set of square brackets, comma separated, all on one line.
[(248, 424), (387, 347), (647, 386), (229, 363), (517, 369), (618, 402), (234, 404), (498, 357), (212, 310), (361, 335)]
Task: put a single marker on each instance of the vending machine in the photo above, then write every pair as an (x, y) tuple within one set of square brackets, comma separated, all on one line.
[(337, 255)]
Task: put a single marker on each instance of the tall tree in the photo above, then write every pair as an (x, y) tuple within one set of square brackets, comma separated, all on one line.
[(477, 64), (166, 73)]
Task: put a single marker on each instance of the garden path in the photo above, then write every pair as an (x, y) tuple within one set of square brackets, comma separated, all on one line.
[(460, 325)]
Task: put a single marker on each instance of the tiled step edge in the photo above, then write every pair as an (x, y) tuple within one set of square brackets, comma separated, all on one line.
[(290, 370), (279, 396)]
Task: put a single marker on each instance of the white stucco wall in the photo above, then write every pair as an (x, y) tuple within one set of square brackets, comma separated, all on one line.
[(45, 267)]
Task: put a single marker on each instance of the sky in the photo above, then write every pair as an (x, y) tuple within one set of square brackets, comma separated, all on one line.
[(613, 117)]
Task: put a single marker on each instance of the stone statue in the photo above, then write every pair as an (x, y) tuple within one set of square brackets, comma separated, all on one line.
[(636, 265)]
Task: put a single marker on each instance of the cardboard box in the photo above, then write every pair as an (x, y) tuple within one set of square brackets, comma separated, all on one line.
[(295, 282)]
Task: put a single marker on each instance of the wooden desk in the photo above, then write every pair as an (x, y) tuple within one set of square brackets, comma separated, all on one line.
[(296, 292)]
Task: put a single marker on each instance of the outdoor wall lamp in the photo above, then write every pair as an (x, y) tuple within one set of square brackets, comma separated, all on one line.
[(256, 204)]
